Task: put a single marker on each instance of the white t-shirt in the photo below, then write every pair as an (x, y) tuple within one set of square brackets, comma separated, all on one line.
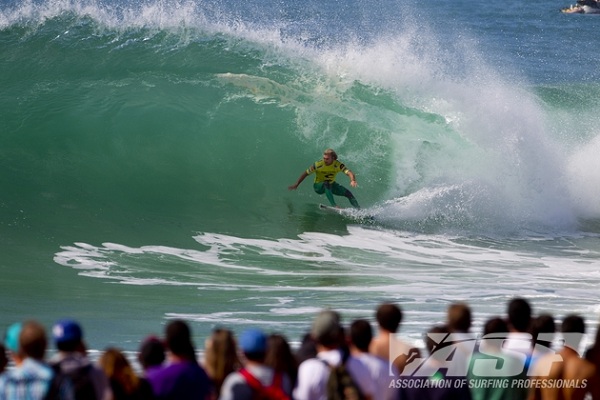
[(314, 373), (518, 342)]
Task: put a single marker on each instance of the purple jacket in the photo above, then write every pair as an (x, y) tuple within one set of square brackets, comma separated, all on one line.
[(180, 381)]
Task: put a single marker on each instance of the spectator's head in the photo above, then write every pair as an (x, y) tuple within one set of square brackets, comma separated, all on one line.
[(220, 356), (572, 329), (67, 335), (221, 348), (519, 314), (307, 349), (491, 326), (179, 340), (253, 343), (389, 317), (151, 352), (495, 325), (327, 329), (32, 340), (459, 318), (437, 338), (279, 355), (542, 330), (361, 334), (118, 370)]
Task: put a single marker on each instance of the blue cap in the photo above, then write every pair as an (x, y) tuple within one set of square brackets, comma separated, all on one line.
[(66, 331), (11, 339), (253, 341)]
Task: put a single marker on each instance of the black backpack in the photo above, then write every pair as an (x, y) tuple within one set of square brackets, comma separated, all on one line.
[(341, 385), (79, 379)]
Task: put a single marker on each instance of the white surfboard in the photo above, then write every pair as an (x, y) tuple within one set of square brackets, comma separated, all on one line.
[(337, 210), (347, 212)]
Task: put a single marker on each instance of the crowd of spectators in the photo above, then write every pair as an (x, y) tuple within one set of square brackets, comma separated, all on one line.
[(517, 356)]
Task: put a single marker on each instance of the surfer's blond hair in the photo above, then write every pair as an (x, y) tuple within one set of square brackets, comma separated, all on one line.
[(330, 152)]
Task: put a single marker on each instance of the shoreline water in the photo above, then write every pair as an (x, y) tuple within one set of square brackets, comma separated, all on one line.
[(587, 340)]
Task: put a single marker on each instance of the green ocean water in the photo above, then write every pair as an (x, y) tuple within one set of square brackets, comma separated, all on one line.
[(146, 156)]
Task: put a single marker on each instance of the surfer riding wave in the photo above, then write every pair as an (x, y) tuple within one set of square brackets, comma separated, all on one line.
[(325, 171)]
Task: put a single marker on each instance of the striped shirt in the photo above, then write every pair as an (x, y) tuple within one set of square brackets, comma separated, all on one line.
[(29, 381)]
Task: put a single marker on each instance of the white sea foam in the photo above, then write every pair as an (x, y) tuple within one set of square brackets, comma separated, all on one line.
[(584, 177), (288, 280)]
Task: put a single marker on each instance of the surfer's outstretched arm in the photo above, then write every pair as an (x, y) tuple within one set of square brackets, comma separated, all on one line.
[(352, 178), (298, 182)]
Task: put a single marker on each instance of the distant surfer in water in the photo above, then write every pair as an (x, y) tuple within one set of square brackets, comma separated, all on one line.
[(325, 171)]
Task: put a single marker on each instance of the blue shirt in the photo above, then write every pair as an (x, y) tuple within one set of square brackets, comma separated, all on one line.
[(30, 380)]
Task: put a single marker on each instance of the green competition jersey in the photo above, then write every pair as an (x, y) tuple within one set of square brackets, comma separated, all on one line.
[(326, 173)]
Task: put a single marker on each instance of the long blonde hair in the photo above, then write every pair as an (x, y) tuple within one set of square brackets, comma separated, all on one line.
[(118, 369), (220, 357)]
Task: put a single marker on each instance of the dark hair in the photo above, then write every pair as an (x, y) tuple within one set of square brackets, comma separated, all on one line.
[(32, 340), (575, 327), (280, 357), (69, 345), (544, 323), (389, 316), (573, 324), (361, 334), (151, 353), (179, 339), (495, 325), (431, 345), (459, 317), (334, 338), (307, 349), (519, 314), (258, 356)]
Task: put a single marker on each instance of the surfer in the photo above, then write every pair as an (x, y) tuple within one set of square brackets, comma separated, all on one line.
[(325, 171)]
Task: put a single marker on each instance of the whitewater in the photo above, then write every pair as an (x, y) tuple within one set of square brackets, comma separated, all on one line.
[(147, 147)]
